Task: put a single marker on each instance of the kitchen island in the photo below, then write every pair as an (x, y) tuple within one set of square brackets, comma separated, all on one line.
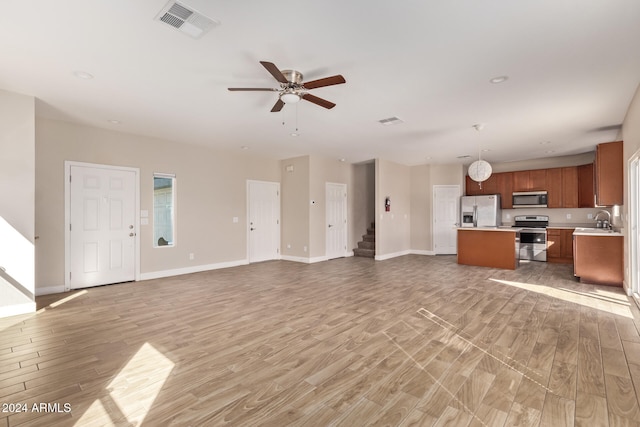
[(495, 247)]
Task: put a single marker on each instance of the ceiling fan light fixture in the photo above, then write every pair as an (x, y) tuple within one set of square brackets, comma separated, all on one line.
[(290, 98)]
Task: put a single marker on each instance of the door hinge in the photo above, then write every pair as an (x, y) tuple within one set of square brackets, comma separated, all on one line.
[(69, 178), (69, 227), (70, 275), (278, 221), (277, 250)]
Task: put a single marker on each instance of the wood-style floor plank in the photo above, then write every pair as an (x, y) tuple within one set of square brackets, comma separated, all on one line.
[(410, 341)]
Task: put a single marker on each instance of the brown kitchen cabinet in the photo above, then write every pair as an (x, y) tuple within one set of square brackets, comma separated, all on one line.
[(530, 180), (598, 259), (586, 188), (609, 174), (570, 187), (504, 184), (560, 245), (562, 187), (473, 188), (554, 187)]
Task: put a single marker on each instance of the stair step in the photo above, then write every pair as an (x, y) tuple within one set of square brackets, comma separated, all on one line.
[(371, 231), (366, 245), (369, 237), (368, 253)]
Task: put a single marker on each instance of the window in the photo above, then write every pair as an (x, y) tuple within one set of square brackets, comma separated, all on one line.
[(164, 186)]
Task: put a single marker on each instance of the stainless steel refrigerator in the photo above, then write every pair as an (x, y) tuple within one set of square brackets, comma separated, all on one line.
[(480, 211)]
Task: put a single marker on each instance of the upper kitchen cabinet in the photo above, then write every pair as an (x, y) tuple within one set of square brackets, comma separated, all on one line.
[(608, 174), (586, 189), (570, 187), (473, 188), (554, 187), (531, 180), (504, 184), (562, 187)]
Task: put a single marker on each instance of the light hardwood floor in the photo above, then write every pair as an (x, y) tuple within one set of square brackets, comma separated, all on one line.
[(410, 341)]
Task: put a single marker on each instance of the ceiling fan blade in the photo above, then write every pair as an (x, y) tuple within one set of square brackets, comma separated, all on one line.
[(327, 81), (275, 72), (277, 106), (318, 101), (236, 89)]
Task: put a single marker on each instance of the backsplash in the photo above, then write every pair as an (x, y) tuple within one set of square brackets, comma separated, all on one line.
[(570, 217)]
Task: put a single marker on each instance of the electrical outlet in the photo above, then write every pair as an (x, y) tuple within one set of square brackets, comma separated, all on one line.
[(192, 257), (305, 249), (589, 216), (568, 216)]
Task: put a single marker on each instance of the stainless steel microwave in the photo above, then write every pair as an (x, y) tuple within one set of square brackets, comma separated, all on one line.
[(530, 199)]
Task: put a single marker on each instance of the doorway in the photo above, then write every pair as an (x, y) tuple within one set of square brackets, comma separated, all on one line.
[(101, 216), (264, 220), (634, 231), (336, 220), (446, 202)]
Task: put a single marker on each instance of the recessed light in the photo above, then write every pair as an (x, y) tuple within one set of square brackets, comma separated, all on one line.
[(550, 151), (83, 75), (244, 147), (484, 150), (545, 142), (342, 159), (115, 122), (499, 79), (294, 134)]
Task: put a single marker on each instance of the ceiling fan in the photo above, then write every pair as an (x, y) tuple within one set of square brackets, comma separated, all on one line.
[(292, 89)]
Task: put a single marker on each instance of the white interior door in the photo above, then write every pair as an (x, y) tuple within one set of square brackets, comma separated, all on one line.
[(336, 199), (264, 220), (102, 227), (446, 201)]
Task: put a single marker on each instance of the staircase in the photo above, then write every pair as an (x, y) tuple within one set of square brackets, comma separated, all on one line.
[(367, 247)]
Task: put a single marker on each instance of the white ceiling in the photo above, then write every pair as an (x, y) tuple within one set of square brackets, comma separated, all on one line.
[(573, 67)]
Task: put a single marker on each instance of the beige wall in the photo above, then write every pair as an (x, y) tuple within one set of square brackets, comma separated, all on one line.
[(211, 190), (421, 208), (304, 204), (393, 229), (17, 161), (295, 207), (545, 163), (17, 213)]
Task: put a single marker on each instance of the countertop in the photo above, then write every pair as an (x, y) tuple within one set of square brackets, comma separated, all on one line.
[(600, 232), (501, 228)]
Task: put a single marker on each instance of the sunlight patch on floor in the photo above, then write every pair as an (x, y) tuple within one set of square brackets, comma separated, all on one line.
[(609, 301), (67, 299), (135, 388)]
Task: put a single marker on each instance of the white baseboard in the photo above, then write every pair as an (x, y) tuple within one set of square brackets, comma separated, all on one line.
[(188, 270), (16, 309), (422, 252), (392, 255), (50, 290), (303, 259)]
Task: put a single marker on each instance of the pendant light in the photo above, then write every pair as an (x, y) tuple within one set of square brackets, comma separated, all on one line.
[(479, 170)]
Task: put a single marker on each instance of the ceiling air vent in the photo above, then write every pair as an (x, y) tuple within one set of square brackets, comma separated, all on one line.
[(185, 19), (390, 121)]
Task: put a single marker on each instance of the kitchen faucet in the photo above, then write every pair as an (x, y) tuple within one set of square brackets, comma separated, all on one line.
[(607, 222)]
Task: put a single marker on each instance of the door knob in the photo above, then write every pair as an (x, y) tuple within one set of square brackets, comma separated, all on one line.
[(252, 229), (330, 225), (132, 234)]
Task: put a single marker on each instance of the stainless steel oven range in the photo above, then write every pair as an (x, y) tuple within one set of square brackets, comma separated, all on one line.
[(533, 236)]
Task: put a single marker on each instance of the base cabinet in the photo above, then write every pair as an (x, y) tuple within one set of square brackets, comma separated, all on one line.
[(598, 259), (560, 245)]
